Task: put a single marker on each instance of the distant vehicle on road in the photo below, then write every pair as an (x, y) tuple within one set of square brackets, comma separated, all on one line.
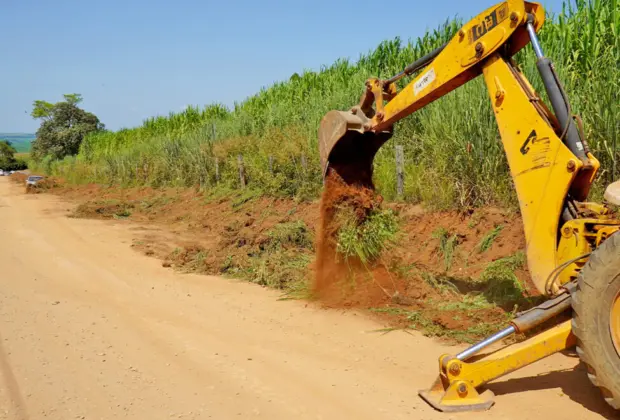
[(33, 180)]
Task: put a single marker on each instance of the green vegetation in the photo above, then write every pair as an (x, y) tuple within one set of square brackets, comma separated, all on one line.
[(292, 234), (425, 322), (487, 241), (8, 161), (366, 240), (454, 154), (500, 284), (440, 282), (63, 128), (447, 245), (105, 209), (279, 260)]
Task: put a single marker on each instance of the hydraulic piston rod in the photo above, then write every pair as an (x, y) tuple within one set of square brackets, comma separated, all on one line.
[(476, 348), (526, 321)]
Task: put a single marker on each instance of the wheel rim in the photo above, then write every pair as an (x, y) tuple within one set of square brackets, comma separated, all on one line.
[(614, 324)]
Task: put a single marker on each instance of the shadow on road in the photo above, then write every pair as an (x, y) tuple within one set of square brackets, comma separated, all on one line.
[(573, 383)]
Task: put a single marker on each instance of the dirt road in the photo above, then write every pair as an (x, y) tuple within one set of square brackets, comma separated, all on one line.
[(90, 329)]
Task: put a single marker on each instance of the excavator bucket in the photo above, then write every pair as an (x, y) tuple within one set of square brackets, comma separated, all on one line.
[(346, 147)]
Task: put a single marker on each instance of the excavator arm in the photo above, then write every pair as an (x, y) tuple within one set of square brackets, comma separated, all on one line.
[(550, 164)]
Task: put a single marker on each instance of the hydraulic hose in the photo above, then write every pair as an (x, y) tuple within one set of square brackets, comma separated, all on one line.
[(417, 65)]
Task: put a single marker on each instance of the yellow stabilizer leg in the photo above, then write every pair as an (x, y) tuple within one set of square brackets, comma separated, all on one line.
[(455, 388)]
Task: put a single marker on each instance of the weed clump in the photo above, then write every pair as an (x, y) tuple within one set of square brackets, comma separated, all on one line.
[(367, 239), (283, 258), (501, 285), (105, 209), (447, 245), (291, 234), (486, 242)]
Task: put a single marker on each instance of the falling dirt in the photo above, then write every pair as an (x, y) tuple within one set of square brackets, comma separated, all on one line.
[(331, 270), (347, 282)]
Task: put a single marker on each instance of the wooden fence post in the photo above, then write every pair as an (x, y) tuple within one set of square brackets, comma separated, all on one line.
[(213, 132), (217, 169), (304, 165), (400, 171), (241, 170)]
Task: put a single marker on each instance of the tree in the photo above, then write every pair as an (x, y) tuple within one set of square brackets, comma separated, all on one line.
[(42, 109), (64, 125), (6, 150), (7, 157)]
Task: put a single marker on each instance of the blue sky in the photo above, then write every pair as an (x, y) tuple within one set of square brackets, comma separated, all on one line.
[(132, 59)]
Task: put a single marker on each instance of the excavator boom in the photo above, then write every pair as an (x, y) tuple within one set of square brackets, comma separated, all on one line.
[(548, 160)]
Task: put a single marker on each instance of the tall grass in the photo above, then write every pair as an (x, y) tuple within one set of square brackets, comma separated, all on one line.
[(454, 155)]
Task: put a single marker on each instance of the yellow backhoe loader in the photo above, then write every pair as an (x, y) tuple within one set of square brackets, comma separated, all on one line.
[(573, 251)]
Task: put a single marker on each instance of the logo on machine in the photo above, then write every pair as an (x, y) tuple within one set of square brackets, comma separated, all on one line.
[(490, 21), (530, 139), (426, 79)]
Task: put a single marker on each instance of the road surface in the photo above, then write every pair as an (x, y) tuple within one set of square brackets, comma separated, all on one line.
[(90, 329)]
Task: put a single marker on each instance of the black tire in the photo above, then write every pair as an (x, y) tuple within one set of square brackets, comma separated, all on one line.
[(597, 288)]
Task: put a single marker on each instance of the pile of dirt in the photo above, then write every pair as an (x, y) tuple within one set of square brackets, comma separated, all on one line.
[(18, 178), (43, 185), (102, 210)]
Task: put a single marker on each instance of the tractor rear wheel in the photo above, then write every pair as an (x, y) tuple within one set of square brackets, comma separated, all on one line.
[(596, 318)]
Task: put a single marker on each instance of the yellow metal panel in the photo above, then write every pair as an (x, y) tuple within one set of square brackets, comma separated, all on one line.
[(539, 164)]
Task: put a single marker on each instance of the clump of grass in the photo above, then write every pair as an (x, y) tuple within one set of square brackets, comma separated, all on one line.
[(106, 209), (122, 214), (487, 240), (422, 321), (281, 270), (368, 239), (447, 245), (191, 259), (291, 234), (281, 262), (439, 282), (229, 265), (148, 204), (243, 197), (501, 285), (475, 220), (468, 302)]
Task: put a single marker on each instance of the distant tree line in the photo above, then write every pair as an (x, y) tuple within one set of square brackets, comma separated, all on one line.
[(63, 127), (8, 162)]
